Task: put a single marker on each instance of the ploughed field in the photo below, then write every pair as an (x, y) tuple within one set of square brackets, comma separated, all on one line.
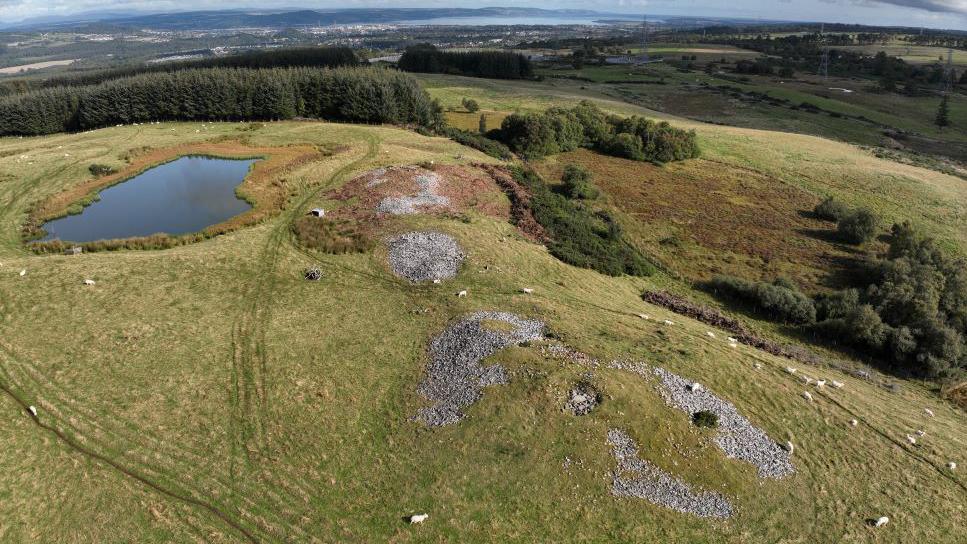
[(209, 392)]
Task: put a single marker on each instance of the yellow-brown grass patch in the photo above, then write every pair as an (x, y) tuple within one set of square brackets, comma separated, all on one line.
[(704, 218)]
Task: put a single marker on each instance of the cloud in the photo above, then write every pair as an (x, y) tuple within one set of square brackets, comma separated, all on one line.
[(936, 6)]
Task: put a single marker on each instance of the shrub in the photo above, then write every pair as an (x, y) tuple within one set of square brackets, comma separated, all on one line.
[(479, 142), (705, 418), (857, 227), (777, 301), (578, 236), (830, 209), (837, 304), (99, 170), (470, 105), (577, 183)]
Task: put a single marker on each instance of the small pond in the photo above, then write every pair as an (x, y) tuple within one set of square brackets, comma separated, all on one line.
[(179, 197)]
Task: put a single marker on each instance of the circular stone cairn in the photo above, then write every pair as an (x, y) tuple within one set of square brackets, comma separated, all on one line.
[(582, 399), (425, 256)]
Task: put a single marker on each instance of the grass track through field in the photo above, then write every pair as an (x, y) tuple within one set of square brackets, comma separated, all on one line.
[(79, 433)]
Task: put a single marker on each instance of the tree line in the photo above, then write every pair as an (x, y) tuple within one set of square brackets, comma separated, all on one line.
[(362, 95), (319, 57), (426, 58)]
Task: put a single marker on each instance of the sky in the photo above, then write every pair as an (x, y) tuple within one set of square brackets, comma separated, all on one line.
[(929, 13)]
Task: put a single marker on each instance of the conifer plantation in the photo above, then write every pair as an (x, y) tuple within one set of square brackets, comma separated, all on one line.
[(360, 95)]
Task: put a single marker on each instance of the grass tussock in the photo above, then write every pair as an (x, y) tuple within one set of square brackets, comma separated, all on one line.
[(332, 236)]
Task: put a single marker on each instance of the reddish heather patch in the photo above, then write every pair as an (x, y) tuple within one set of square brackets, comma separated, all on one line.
[(466, 188)]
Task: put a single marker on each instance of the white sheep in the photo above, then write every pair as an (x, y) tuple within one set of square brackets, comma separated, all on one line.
[(89, 282), (820, 383), (436, 281), (732, 340), (23, 272), (644, 316), (668, 322), (790, 370), (807, 396), (882, 521), (527, 290), (462, 293), (695, 387), (710, 334), (33, 410), (733, 345), (418, 518), (853, 423), (757, 366), (911, 440), (928, 411), (836, 384), (920, 432), (788, 447), (952, 465), (808, 380)]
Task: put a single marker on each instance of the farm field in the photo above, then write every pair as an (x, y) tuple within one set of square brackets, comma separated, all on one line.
[(209, 393)]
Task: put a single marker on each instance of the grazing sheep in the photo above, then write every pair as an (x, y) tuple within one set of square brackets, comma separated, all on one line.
[(733, 345), (881, 522), (808, 380), (853, 423), (788, 446), (911, 440), (644, 316), (790, 370), (462, 293), (418, 518), (695, 387), (836, 384), (436, 281), (88, 282), (758, 366), (710, 334), (928, 411), (952, 465), (920, 433), (807, 396), (23, 272), (527, 290), (820, 383), (667, 322), (33, 410), (732, 340)]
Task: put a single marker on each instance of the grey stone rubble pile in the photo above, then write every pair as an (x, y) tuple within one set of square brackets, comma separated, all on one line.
[(635, 477), (582, 399), (376, 177), (425, 256), (427, 196), (737, 437), (454, 376)]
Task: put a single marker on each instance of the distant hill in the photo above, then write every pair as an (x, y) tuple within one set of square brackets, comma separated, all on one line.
[(287, 18)]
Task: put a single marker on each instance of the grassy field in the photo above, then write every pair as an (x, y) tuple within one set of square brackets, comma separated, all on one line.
[(207, 393), (861, 116)]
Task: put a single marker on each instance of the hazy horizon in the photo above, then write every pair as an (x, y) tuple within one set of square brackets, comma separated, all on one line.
[(948, 14)]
